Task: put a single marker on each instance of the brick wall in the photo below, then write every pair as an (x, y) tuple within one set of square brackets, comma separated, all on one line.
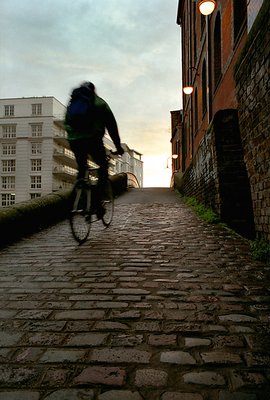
[(253, 87), (217, 176)]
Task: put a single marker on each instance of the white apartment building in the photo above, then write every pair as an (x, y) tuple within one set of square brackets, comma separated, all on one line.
[(131, 161), (34, 152)]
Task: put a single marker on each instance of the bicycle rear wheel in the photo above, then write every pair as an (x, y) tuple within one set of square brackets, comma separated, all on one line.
[(80, 216), (108, 204)]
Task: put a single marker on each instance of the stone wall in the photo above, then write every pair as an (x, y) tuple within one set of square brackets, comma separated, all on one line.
[(28, 217), (253, 91), (217, 176)]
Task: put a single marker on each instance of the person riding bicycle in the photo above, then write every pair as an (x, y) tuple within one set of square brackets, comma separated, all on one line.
[(86, 138)]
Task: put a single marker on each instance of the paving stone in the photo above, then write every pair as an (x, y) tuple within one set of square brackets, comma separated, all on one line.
[(60, 356), (45, 339), (55, 377), (9, 339), (197, 342), (229, 341), (119, 395), (19, 395), (257, 359), (111, 304), (131, 291), (29, 355), (71, 394), (237, 318), (147, 326), (79, 314), (205, 378), (151, 378), (181, 396), (162, 340), (101, 375), (129, 314), (245, 379), (126, 340), (110, 326), (177, 357), (219, 357), (120, 356), (87, 339), (13, 375), (224, 395)]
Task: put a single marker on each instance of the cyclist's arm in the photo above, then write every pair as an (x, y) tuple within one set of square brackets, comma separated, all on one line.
[(112, 128)]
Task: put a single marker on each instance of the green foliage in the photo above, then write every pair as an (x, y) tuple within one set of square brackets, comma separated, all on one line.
[(260, 250), (201, 210)]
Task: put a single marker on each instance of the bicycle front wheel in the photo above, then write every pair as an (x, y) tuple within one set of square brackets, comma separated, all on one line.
[(80, 216), (108, 204)]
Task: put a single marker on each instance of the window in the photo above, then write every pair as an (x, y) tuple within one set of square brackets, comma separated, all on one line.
[(9, 149), (36, 148), (8, 182), (8, 165), (36, 182), (36, 109), (8, 199), (217, 50), (36, 165), (36, 130), (204, 89), (34, 195), (239, 16), (9, 111), (9, 131)]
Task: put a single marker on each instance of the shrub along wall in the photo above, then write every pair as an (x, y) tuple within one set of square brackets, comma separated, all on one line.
[(253, 91)]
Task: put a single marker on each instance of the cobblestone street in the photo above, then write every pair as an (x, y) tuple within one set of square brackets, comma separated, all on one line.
[(159, 306)]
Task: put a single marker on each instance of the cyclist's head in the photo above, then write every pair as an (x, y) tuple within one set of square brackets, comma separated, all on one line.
[(89, 85)]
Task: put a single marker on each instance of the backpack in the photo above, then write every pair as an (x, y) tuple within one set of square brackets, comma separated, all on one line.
[(80, 110)]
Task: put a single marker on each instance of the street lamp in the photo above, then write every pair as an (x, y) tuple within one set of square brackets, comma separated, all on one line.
[(189, 88), (173, 157), (206, 7)]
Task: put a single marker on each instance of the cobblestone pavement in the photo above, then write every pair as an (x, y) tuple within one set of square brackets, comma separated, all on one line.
[(160, 306)]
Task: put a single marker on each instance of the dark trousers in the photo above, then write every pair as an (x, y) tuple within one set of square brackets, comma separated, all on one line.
[(95, 148)]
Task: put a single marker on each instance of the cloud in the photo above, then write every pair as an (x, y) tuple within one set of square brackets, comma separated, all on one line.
[(128, 48)]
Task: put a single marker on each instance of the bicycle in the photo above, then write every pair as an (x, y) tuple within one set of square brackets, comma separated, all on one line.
[(84, 204)]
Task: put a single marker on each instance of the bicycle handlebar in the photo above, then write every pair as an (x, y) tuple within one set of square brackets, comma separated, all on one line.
[(112, 154)]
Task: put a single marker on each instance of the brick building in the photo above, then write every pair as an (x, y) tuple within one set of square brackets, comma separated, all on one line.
[(224, 138)]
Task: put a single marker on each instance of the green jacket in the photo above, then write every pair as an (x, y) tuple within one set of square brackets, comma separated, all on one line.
[(103, 119)]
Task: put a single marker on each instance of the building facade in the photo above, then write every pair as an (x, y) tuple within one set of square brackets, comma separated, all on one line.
[(215, 150), (34, 151), (35, 158)]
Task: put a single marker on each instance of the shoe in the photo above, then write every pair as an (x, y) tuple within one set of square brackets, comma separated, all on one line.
[(100, 211)]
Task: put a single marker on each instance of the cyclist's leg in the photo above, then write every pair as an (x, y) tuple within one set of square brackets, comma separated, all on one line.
[(79, 148), (98, 153)]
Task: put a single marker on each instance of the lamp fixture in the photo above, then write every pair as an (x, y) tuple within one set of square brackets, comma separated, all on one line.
[(206, 7), (173, 157), (188, 89)]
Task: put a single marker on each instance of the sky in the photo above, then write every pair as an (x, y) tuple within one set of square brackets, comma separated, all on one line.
[(129, 49)]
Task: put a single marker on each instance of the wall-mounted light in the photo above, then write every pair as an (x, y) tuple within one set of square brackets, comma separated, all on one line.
[(206, 7), (188, 89), (173, 157)]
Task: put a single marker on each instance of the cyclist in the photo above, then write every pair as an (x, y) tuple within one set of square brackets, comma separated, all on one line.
[(89, 141)]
